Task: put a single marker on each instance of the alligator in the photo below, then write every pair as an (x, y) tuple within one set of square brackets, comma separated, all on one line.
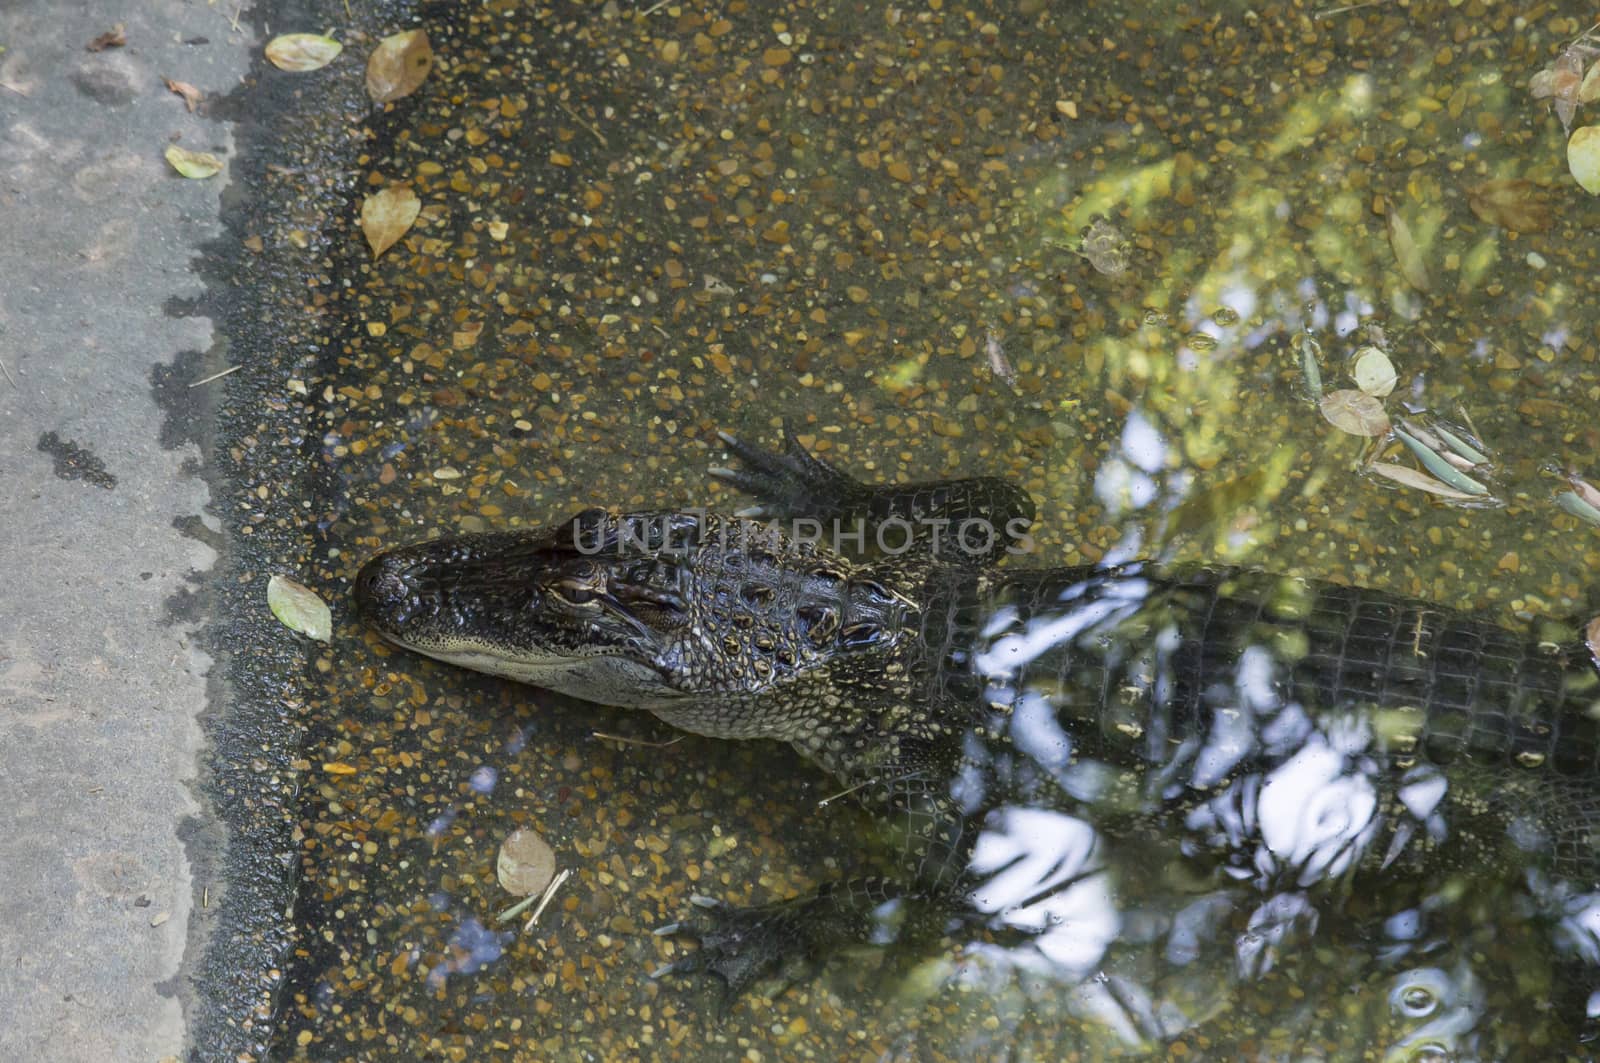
[(1288, 733)]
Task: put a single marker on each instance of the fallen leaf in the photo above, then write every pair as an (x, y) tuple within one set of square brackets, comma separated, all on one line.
[(1591, 637), (1511, 203), (1589, 88), (387, 215), (1583, 158), (398, 65), (1406, 252), (1355, 412), (1374, 372), (1405, 474), (190, 94), (526, 863), (1585, 490), (111, 38), (298, 608), (193, 164), (299, 52)]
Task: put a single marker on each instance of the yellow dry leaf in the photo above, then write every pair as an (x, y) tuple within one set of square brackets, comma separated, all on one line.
[(1355, 412), (1406, 253), (1583, 158), (398, 65), (193, 164), (299, 52), (388, 215), (1589, 87), (1404, 474)]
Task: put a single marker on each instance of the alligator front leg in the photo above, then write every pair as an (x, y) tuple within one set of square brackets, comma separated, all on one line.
[(970, 521), (790, 939), (898, 779)]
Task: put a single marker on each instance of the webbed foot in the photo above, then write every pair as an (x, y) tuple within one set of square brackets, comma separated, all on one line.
[(794, 483), (743, 946)]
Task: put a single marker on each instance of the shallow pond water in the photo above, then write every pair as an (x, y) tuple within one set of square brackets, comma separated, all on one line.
[(1091, 248)]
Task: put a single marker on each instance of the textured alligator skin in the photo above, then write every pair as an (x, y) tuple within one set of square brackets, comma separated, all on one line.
[(1011, 723)]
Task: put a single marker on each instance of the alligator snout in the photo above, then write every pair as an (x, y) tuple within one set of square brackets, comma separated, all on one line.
[(381, 589)]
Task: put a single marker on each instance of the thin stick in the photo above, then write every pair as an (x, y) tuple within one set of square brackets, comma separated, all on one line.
[(235, 20), (549, 891), (1332, 11), (656, 7), (826, 801), (9, 377), (637, 741), (576, 117), (216, 376)]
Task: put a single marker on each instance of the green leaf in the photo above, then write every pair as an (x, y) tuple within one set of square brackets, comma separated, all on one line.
[(298, 608)]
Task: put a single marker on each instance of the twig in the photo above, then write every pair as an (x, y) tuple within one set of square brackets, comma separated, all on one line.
[(234, 22), (655, 7), (638, 741), (216, 376), (576, 117), (831, 798), (549, 891), (9, 377), (1332, 11)]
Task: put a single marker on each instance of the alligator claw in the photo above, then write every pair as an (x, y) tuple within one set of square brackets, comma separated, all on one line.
[(742, 946), (790, 483)]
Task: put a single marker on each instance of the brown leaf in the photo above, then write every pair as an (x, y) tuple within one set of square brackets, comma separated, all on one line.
[(111, 38), (398, 65), (1355, 412), (387, 215), (1406, 252), (1511, 203), (1591, 638), (190, 94), (526, 863), (1404, 474)]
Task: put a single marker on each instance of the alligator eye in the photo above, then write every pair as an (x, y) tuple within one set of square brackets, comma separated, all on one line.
[(860, 636), (818, 622), (574, 593)]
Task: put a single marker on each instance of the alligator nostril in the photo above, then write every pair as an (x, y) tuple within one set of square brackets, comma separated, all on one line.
[(379, 583)]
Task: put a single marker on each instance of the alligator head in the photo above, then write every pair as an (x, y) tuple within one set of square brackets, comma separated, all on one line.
[(693, 616)]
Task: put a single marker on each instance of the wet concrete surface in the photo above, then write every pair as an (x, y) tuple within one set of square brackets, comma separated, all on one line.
[(105, 533)]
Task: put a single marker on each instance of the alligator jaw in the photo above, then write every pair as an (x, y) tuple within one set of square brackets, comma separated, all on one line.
[(481, 602)]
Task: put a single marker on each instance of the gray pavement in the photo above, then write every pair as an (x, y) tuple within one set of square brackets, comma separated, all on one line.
[(101, 682)]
